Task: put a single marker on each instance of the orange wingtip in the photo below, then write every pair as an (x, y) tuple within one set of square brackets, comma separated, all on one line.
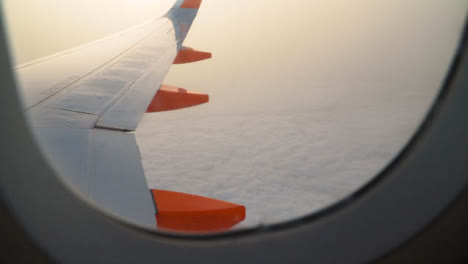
[(187, 55), (191, 4), (172, 98), (192, 213)]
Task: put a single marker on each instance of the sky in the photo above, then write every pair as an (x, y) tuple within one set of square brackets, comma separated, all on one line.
[(308, 99)]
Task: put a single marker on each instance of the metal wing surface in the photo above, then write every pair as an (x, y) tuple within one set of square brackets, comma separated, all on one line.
[(80, 103), (84, 103)]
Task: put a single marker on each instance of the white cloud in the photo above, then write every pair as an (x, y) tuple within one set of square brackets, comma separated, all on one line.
[(300, 115)]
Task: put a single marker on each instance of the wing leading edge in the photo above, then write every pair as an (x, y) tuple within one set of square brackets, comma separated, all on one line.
[(83, 104)]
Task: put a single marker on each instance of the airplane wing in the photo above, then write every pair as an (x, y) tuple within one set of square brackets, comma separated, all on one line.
[(84, 103)]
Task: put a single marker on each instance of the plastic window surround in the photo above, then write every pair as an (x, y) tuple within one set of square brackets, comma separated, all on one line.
[(410, 193)]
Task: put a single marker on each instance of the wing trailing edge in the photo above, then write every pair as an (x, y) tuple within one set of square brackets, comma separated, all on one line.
[(187, 55), (192, 213), (191, 4), (172, 98)]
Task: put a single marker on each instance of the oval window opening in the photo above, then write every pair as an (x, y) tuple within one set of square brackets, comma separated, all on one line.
[(253, 113)]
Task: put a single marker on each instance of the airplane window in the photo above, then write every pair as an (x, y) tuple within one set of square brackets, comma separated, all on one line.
[(308, 100)]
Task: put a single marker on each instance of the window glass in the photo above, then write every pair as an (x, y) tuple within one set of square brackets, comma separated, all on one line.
[(309, 100)]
